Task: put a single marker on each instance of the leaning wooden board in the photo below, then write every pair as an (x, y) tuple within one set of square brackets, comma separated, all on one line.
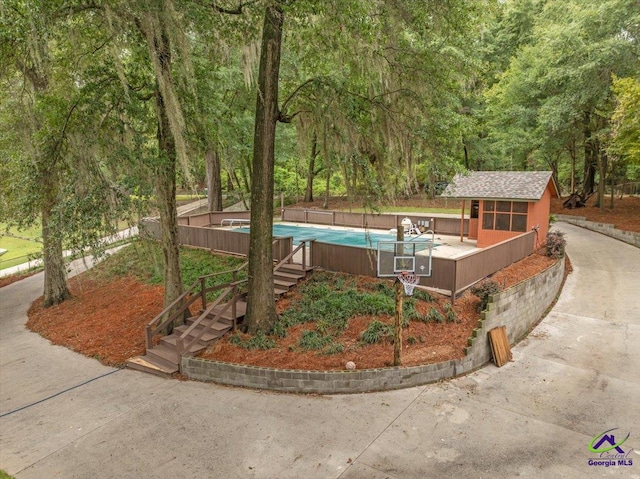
[(500, 348)]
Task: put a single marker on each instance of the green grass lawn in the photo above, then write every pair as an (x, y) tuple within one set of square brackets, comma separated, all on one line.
[(185, 197), (409, 209), (4, 475), (143, 259), (20, 245)]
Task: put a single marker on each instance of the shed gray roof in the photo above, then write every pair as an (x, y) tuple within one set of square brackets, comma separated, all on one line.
[(500, 185)]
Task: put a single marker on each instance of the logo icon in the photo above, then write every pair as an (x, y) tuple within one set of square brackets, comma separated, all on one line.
[(605, 442), (609, 451)]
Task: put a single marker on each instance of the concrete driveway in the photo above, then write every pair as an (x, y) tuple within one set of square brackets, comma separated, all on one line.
[(575, 377)]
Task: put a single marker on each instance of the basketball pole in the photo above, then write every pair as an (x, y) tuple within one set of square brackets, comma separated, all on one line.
[(397, 324)]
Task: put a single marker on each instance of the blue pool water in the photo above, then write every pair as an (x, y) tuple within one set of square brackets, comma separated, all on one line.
[(361, 239)]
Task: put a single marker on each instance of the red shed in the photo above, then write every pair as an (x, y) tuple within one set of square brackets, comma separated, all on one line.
[(505, 204)]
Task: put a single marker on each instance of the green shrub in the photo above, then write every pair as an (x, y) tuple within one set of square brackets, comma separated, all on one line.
[(484, 290), (313, 340), (375, 304), (385, 288), (333, 348), (376, 332), (556, 244), (435, 315), (450, 313), (259, 341), (409, 312), (423, 295), (331, 309), (279, 329)]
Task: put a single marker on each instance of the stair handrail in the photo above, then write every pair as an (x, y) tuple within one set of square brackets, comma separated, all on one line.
[(204, 290), (181, 347), (302, 246), (151, 331)]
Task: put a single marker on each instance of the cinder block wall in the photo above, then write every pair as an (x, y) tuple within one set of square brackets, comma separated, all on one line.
[(519, 308)]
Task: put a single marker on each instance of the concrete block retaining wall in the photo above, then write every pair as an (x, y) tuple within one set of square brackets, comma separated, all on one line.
[(519, 308), (630, 237)]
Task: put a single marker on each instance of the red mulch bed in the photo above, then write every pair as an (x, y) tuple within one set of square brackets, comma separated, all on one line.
[(7, 280), (102, 321), (625, 214), (430, 342)]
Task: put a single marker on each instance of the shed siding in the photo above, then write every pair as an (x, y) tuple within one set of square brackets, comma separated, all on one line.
[(491, 237), (539, 216)]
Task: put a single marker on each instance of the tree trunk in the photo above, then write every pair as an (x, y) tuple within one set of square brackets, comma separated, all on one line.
[(241, 190), (55, 279), (229, 182), (165, 178), (590, 159), (166, 192), (327, 187), (612, 192), (602, 175), (214, 180), (308, 194), (572, 174), (466, 156), (261, 311), (56, 288)]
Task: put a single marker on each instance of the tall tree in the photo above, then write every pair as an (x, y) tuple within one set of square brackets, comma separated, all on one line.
[(53, 173), (261, 314), (552, 105)]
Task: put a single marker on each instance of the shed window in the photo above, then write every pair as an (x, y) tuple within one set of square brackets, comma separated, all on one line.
[(505, 216)]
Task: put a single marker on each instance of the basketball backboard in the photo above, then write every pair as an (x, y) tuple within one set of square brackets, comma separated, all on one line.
[(395, 257)]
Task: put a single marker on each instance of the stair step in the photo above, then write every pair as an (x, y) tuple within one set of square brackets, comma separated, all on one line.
[(164, 352), (152, 365), (223, 325), (170, 342), (285, 275), (284, 283), (206, 336), (241, 310), (163, 359), (295, 267)]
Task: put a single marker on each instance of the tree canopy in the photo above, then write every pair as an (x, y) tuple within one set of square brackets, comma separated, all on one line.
[(109, 105)]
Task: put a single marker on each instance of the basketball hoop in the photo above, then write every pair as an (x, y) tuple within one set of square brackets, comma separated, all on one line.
[(409, 281)]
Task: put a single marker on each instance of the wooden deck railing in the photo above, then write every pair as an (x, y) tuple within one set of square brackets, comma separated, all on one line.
[(175, 312), (302, 246), (229, 297)]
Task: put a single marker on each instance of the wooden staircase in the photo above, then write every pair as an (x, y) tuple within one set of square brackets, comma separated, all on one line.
[(198, 332)]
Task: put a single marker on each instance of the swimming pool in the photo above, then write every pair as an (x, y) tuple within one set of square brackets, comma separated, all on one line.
[(360, 239)]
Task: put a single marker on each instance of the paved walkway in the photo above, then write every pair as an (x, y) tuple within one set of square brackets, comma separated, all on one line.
[(119, 236), (577, 375)]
